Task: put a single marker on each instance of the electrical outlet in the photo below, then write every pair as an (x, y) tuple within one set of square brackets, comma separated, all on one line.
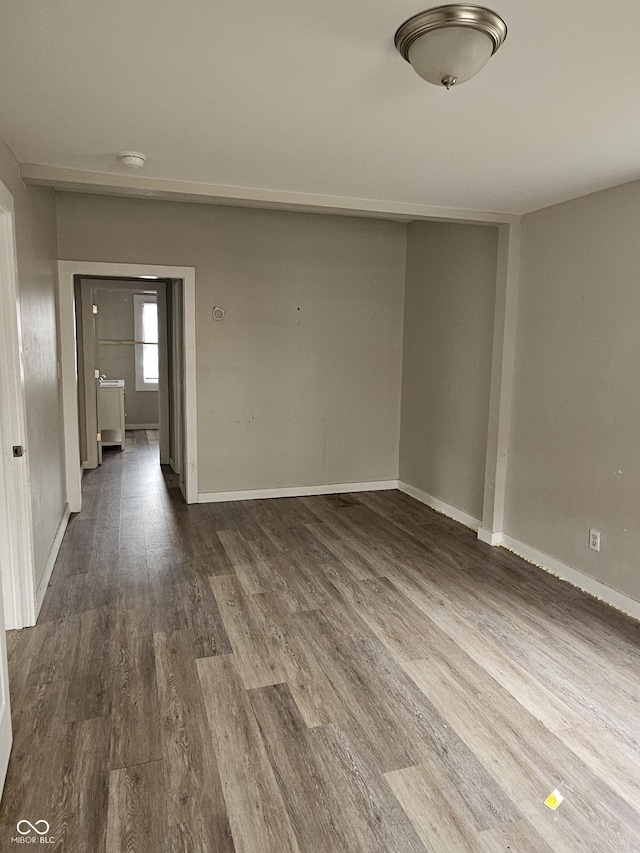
[(594, 539)]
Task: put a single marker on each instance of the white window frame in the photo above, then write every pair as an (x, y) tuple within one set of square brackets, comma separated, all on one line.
[(139, 299)]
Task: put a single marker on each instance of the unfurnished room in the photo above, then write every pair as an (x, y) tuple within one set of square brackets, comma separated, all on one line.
[(319, 421)]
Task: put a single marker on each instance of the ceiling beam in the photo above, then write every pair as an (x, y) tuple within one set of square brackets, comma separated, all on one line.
[(104, 183)]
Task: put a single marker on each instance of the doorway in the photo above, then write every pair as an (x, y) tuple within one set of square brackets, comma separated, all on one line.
[(88, 338), (128, 367)]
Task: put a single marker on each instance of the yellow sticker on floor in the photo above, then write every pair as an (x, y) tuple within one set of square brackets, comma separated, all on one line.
[(554, 799)]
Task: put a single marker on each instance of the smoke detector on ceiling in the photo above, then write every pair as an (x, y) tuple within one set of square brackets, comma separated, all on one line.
[(132, 159)]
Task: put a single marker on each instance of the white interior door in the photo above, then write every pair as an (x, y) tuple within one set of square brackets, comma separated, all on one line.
[(5, 709), (6, 559), (17, 593)]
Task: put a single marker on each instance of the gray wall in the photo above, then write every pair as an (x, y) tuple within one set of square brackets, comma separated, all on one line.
[(448, 337), (118, 362), (575, 442), (300, 383), (37, 275)]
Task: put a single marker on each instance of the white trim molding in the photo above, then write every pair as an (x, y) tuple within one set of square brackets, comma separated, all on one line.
[(490, 538), (440, 506), (502, 376), (107, 183), (296, 491), (575, 577), (51, 560), (66, 272)]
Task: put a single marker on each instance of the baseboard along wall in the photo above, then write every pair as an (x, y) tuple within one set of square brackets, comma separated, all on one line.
[(296, 491), (440, 506), (575, 577), (51, 560)]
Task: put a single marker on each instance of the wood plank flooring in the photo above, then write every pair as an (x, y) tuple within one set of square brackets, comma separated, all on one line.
[(313, 675)]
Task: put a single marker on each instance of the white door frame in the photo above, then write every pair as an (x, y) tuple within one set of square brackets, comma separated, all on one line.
[(89, 269), (16, 549)]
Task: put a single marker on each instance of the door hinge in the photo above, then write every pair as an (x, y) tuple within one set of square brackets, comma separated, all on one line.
[(94, 308), (18, 450), (98, 436)]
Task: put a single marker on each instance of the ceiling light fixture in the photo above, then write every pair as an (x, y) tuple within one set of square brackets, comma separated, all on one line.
[(132, 159), (448, 45)]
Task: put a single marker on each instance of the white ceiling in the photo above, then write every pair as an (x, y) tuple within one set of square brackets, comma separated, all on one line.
[(313, 98)]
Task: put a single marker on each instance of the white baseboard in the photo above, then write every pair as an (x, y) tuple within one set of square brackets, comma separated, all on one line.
[(51, 561), (490, 538), (440, 506), (616, 599), (296, 491), (142, 426)]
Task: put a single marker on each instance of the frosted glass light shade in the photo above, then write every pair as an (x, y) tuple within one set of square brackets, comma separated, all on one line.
[(450, 44), (451, 52)]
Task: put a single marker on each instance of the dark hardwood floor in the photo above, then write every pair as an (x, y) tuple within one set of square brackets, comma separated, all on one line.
[(325, 674)]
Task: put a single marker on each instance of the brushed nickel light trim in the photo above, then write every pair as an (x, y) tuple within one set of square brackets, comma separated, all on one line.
[(457, 15)]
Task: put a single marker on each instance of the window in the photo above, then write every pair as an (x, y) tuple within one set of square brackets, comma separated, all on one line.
[(145, 313)]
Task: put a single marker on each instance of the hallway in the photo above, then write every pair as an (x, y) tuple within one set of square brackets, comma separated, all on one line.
[(326, 674)]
